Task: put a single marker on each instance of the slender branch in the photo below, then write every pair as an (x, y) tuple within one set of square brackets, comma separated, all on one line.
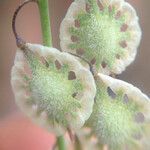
[(90, 65), (47, 41), (61, 143), (45, 22), (71, 135), (19, 41)]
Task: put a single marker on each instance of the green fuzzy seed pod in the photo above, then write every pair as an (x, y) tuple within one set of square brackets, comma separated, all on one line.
[(53, 88), (105, 32), (121, 115)]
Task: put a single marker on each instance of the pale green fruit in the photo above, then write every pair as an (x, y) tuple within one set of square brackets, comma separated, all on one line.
[(121, 115), (52, 87), (105, 32)]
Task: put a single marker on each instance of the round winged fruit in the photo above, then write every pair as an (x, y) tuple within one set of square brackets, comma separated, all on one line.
[(105, 32), (52, 87), (121, 115)]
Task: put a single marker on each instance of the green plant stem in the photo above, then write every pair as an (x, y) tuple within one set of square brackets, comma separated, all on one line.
[(47, 41), (45, 22), (61, 143)]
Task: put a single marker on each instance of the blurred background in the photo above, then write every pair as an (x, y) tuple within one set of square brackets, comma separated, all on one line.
[(28, 26)]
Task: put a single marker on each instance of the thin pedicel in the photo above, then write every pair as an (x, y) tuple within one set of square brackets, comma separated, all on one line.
[(19, 41)]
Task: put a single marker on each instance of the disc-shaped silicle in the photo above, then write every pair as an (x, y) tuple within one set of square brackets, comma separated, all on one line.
[(52, 87), (121, 115), (105, 32)]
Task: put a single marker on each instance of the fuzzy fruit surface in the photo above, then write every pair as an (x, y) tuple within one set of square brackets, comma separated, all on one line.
[(99, 34), (52, 91), (112, 120)]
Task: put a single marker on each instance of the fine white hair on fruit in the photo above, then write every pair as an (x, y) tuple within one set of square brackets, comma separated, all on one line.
[(22, 73), (121, 111), (133, 92), (100, 38)]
